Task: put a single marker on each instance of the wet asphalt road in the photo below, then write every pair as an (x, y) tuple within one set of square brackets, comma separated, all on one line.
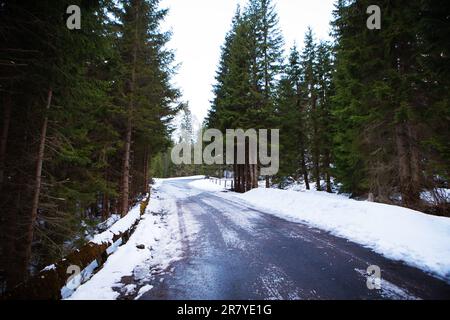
[(242, 253)]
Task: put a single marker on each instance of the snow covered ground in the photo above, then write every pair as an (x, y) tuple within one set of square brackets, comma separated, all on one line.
[(398, 233), (120, 226), (160, 236), (210, 185)]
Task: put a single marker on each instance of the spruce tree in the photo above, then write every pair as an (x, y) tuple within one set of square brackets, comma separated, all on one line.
[(66, 113), (325, 91), (386, 95), (291, 114), (309, 82)]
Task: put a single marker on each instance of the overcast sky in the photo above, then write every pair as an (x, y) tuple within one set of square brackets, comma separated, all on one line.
[(199, 28)]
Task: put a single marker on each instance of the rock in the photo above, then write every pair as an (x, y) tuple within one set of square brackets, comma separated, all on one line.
[(140, 246)]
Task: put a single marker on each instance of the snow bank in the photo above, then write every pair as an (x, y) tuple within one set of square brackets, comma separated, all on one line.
[(183, 178), (120, 226), (207, 185), (159, 232), (398, 233), (105, 225)]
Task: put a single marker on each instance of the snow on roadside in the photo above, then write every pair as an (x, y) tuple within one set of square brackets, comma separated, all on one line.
[(116, 225), (398, 233), (158, 231), (183, 178), (207, 185), (120, 226), (105, 225)]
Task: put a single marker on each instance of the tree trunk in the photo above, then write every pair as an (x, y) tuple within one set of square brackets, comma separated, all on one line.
[(238, 178), (249, 177), (241, 178), (316, 151), (144, 172), (146, 176), (254, 175), (165, 165), (235, 175), (26, 256), (106, 210), (246, 171), (328, 178), (408, 165), (248, 182), (125, 198), (406, 138), (416, 170), (244, 178), (4, 138), (305, 170), (105, 207), (327, 170), (126, 171)]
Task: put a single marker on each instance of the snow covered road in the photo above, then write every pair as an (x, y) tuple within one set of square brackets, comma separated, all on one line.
[(240, 252), (201, 242)]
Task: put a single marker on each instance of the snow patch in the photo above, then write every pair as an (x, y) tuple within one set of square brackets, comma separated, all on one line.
[(120, 226), (158, 231), (143, 290), (207, 185), (50, 267), (75, 282)]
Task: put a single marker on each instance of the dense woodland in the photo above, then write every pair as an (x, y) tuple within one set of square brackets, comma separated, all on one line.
[(366, 114), (83, 113), (86, 115)]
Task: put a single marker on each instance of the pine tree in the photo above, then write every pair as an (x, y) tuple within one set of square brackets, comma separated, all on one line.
[(325, 92), (291, 114), (145, 90), (246, 79), (267, 62), (384, 96), (49, 71), (351, 111), (434, 60), (309, 81), (66, 96), (214, 118)]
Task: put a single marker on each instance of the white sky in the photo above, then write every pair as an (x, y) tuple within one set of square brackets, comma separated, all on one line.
[(199, 28)]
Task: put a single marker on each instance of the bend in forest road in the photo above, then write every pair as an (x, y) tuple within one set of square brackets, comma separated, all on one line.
[(241, 252)]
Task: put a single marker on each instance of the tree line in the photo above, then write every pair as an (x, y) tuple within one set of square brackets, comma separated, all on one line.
[(83, 113), (366, 113), (245, 86)]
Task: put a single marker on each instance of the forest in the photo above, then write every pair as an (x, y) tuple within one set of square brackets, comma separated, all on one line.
[(87, 115), (83, 113), (365, 114)]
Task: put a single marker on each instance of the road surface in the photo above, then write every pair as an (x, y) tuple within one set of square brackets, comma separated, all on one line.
[(243, 253)]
